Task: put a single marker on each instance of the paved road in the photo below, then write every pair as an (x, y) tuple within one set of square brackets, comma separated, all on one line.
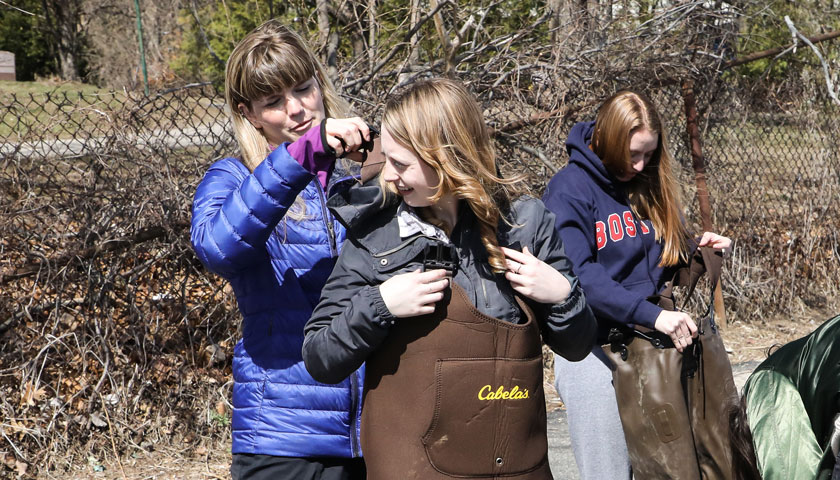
[(560, 454), (72, 147)]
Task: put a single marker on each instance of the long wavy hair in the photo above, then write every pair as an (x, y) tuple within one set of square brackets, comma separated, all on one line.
[(744, 463), (270, 59), (653, 192), (441, 122)]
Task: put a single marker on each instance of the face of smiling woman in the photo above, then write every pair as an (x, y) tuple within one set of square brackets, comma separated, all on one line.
[(285, 116), (414, 180)]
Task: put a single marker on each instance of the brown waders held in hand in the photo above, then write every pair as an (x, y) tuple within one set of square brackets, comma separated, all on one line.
[(674, 406), (456, 394)]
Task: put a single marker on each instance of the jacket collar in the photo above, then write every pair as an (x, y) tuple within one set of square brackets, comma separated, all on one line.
[(411, 224), (368, 215), (371, 220)]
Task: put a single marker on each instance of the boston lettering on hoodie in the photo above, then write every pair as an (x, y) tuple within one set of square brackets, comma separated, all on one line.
[(615, 254)]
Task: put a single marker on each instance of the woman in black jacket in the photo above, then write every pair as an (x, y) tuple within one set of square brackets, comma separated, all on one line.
[(443, 288)]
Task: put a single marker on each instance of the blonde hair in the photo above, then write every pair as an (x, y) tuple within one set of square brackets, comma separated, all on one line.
[(441, 122), (653, 192), (270, 59)]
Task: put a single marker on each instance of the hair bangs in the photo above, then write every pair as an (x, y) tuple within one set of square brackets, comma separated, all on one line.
[(275, 68)]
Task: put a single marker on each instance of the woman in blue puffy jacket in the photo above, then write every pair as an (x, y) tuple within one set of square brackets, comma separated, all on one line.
[(261, 222)]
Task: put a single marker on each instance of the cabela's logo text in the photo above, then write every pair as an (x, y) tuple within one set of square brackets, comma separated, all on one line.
[(487, 393)]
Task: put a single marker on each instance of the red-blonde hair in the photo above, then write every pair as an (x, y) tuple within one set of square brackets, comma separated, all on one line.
[(441, 122), (653, 192)]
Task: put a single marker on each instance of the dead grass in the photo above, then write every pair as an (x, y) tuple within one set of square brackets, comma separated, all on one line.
[(751, 341), (206, 462)]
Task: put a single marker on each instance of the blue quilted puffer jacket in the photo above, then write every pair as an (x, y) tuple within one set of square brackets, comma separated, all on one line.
[(277, 267)]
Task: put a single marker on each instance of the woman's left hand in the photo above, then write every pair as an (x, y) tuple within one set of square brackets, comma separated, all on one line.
[(534, 278), (345, 135), (718, 242)]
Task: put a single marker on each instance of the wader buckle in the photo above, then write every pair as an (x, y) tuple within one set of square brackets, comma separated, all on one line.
[(616, 340), (439, 256)]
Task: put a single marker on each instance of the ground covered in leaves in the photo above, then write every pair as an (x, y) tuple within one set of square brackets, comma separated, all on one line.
[(210, 458)]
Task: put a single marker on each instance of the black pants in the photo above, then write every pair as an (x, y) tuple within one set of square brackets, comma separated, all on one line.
[(267, 467)]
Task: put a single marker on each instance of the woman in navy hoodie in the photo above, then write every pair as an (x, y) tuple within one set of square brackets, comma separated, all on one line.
[(619, 215), (261, 222)]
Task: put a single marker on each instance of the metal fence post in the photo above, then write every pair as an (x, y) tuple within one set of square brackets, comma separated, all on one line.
[(698, 162), (142, 50)]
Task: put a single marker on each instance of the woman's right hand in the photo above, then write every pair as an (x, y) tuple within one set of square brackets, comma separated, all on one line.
[(345, 135), (677, 325), (415, 293)]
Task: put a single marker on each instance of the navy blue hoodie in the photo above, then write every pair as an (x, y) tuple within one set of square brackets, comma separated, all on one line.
[(615, 255)]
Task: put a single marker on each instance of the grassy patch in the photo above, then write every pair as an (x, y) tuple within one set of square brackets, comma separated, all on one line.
[(770, 166), (36, 111), (8, 88)]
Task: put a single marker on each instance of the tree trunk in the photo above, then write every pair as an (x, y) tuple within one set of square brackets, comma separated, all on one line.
[(413, 51), (554, 23), (346, 14), (327, 39), (443, 36), (62, 20), (371, 11), (322, 8)]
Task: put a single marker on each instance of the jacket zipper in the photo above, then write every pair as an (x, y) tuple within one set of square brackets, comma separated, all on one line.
[(354, 379), (327, 220), (354, 415)]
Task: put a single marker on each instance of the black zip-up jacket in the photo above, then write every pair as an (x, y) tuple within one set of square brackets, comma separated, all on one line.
[(351, 319)]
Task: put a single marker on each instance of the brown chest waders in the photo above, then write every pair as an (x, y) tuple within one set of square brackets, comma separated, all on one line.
[(674, 406), (456, 394)]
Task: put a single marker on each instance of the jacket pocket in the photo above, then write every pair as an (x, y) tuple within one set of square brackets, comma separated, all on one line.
[(489, 417)]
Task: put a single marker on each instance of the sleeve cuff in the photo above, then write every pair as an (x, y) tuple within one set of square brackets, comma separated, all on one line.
[(384, 317), (571, 301), (309, 152), (646, 314)]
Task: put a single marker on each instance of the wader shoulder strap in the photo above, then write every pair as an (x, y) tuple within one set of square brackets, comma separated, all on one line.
[(702, 260)]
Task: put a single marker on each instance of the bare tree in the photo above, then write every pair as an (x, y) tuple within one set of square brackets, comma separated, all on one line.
[(64, 25), (111, 33), (413, 51), (353, 26), (327, 37)]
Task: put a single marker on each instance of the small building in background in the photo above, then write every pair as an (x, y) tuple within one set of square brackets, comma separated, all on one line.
[(7, 66)]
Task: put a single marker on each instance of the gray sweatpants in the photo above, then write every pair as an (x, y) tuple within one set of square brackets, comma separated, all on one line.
[(594, 425)]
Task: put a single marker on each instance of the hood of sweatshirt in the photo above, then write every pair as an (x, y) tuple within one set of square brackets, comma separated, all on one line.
[(577, 145)]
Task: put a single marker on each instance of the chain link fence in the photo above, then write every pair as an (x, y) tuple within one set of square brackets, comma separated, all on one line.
[(110, 325), (774, 176)]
